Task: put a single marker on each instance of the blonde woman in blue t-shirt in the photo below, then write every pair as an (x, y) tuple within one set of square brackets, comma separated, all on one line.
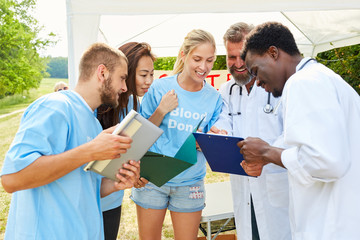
[(183, 195)]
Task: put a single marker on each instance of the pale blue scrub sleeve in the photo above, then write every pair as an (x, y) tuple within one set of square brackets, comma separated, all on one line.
[(43, 131)]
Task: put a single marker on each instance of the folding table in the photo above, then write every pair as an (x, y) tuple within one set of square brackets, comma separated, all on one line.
[(219, 206)]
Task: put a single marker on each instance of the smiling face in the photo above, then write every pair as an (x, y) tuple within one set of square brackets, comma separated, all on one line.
[(144, 75), (267, 71), (235, 64), (114, 85), (199, 62)]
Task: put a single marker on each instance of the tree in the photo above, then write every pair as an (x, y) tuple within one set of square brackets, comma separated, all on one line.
[(345, 61), (164, 63), (167, 63), (58, 67), (21, 67)]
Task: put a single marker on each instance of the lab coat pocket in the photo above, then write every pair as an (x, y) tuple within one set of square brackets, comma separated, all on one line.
[(270, 126), (277, 186)]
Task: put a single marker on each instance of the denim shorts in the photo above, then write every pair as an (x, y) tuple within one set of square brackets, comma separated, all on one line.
[(185, 199)]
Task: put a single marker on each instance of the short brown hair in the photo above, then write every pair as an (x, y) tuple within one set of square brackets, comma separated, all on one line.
[(97, 54), (236, 32)]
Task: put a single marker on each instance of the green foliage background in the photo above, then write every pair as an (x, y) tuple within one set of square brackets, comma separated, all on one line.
[(167, 63), (57, 67), (346, 62), (164, 63), (21, 67)]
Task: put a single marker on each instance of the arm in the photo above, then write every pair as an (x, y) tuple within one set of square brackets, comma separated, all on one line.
[(168, 103), (225, 122), (315, 128), (215, 116), (47, 169)]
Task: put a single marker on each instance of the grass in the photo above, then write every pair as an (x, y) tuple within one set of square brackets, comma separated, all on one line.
[(9, 125), (20, 101)]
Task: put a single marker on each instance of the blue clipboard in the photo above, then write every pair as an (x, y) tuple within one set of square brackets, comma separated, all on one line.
[(221, 152)]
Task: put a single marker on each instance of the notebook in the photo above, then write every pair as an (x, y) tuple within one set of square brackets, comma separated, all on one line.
[(143, 133)]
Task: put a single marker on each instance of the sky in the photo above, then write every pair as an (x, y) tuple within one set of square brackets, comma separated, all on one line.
[(51, 14)]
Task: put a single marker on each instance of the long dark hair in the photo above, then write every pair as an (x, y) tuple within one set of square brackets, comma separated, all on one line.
[(133, 51)]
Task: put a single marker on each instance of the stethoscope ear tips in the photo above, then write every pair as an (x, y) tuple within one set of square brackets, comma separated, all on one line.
[(268, 108)]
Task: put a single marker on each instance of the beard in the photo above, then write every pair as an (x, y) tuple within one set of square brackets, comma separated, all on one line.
[(108, 96), (241, 79)]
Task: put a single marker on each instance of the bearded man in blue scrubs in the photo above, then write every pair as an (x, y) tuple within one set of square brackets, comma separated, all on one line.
[(53, 197)]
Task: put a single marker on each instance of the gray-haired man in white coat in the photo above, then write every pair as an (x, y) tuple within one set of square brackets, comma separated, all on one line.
[(260, 204)]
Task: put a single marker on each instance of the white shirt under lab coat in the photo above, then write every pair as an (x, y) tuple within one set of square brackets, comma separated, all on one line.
[(322, 124), (270, 190)]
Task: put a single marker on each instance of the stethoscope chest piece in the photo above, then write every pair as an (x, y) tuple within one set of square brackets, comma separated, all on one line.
[(268, 108)]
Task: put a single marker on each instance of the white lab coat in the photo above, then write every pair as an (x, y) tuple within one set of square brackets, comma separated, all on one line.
[(270, 190), (322, 124)]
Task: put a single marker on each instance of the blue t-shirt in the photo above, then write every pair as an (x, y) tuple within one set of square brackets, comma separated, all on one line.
[(69, 207), (115, 199), (181, 122)]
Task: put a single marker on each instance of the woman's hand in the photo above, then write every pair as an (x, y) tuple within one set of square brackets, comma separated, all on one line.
[(168, 102)]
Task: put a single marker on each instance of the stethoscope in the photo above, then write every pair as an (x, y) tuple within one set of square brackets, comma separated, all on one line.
[(231, 113), (310, 59), (268, 108)]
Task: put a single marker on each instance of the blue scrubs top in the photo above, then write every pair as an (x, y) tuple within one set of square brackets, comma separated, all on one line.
[(69, 207)]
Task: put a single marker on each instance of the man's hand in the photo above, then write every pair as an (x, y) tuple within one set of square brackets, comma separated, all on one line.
[(109, 146), (253, 150), (128, 175), (127, 178), (257, 153), (252, 169), (141, 182)]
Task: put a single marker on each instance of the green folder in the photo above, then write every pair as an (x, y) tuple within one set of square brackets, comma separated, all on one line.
[(159, 168)]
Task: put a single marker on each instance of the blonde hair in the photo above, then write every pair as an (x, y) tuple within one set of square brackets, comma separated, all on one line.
[(97, 54), (60, 85), (193, 39)]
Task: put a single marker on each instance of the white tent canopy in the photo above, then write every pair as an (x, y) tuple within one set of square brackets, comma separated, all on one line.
[(317, 25)]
